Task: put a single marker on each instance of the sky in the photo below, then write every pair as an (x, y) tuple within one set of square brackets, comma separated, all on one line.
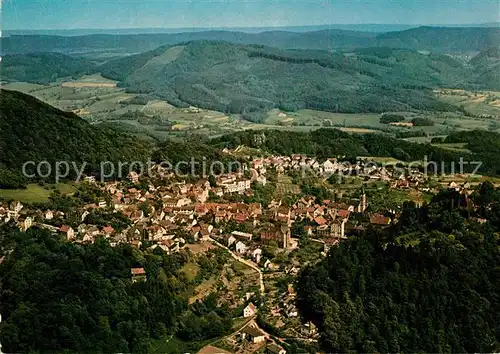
[(112, 14)]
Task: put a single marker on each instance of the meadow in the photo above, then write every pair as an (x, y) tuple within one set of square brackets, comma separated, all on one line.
[(35, 193)]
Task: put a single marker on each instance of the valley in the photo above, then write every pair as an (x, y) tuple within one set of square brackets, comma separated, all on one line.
[(99, 100)]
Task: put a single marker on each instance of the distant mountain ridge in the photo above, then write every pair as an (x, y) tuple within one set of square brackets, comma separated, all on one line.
[(364, 27), (440, 39)]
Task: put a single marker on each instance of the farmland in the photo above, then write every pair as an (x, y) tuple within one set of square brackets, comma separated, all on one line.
[(99, 100)]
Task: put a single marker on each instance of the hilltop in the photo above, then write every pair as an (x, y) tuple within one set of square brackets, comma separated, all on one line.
[(31, 130), (250, 78)]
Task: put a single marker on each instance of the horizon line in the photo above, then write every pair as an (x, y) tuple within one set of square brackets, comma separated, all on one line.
[(493, 24)]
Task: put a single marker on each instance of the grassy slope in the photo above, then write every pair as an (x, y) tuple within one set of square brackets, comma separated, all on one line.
[(34, 193)]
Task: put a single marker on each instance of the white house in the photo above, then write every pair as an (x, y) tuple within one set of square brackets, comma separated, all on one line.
[(241, 247), (231, 240), (254, 335), (330, 166), (250, 310), (256, 254), (49, 215)]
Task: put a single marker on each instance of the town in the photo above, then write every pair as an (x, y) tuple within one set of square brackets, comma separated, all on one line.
[(268, 239)]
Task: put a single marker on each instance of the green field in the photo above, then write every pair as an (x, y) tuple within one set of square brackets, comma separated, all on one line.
[(479, 103), (190, 269), (92, 98), (459, 147), (34, 193), (285, 186)]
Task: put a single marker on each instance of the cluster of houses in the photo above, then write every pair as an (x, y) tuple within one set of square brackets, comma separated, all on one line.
[(363, 167), (172, 212), (166, 215)]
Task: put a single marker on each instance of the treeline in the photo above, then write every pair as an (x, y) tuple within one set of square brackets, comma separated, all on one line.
[(483, 144), (427, 284), (251, 79)]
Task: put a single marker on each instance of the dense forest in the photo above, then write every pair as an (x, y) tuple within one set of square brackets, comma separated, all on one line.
[(35, 131), (43, 68), (427, 284), (57, 296), (483, 144)]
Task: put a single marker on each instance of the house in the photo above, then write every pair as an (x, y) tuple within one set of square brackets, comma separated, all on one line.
[(16, 206), (240, 247), (379, 220), (330, 166), (250, 310), (283, 215), (309, 329), (138, 274), (242, 235), (49, 215), (344, 213), (274, 348), (108, 230), (320, 220), (254, 335), (337, 229), (280, 235), (168, 246), (240, 218), (231, 240), (291, 311), (88, 238), (329, 243), (220, 216), (268, 265), (25, 224), (68, 231), (136, 244), (133, 177), (256, 254), (205, 231)]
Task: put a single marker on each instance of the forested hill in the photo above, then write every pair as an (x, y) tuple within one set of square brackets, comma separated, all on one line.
[(31, 130), (423, 38), (429, 284), (43, 68), (250, 78)]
